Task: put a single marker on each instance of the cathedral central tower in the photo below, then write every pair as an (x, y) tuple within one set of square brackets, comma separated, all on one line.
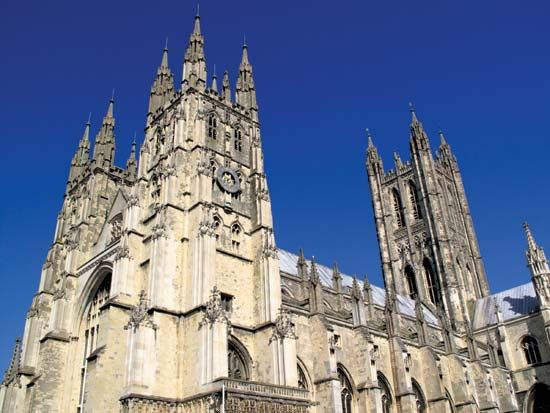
[(428, 245)]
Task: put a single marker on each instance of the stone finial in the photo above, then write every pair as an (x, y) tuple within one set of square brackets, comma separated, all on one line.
[(12, 373), (313, 274), (356, 289), (336, 277), (301, 265), (214, 311), (140, 314), (284, 327)]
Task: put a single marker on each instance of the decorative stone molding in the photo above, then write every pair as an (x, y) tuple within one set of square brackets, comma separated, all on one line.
[(123, 252), (284, 327), (97, 261), (263, 195), (133, 200), (158, 231), (214, 311), (140, 316), (33, 312)]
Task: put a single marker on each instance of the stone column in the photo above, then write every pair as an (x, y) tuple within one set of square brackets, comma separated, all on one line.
[(141, 358), (283, 351), (214, 335)]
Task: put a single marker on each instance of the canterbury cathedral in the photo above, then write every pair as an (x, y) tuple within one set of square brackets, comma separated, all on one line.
[(164, 290)]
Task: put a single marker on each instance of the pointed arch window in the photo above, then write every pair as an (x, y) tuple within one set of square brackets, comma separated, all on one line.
[(431, 282), (237, 366), (398, 208), (420, 402), (415, 204), (385, 394), (346, 391), (411, 281), (217, 225), (238, 140), (236, 237), (91, 322), (531, 351), (302, 379), (212, 130)]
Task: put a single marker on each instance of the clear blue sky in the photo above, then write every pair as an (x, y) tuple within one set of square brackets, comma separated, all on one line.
[(324, 71)]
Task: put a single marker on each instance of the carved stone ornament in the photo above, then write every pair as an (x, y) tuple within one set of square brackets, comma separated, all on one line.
[(284, 327), (33, 312), (263, 195), (133, 200), (116, 229), (158, 231), (140, 315), (123, 252), (228, 179), (214, 311), (203, 164)]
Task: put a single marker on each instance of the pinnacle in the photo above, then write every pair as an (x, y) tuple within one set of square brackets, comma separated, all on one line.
[(413, 113), (164, 61), (110, 109), (197, 27), (530, 240)]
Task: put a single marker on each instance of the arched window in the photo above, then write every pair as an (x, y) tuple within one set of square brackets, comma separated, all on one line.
[(238, 140), (155, 190), (346, 391), (398, 208), (236, 237), (385, 394), (415, 205), (237, 367), (212, 130), (431, 282), (91, 322), (302, 379), (420, 401), (531, 350), (217, 225), (538, 400), (411, 281)]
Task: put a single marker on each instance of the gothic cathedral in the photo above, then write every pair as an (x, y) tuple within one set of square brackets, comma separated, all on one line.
[(164, 291)]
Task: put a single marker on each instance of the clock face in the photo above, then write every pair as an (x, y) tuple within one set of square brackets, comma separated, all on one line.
[(228, 179)]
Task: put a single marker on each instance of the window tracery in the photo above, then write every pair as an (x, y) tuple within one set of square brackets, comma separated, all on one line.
[(531, 350), (398, 208), (238, 140), (212, 128), (415, 204), (91, 331), (346, 392), (237, 368)]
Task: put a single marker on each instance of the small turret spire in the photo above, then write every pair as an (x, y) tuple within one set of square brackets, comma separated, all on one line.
[(226, 88), (162, 89), (214, 81), (194, 63), (374, 161), (540, 270), (131, 164), (245, 90), (419, 139), (104, 148)]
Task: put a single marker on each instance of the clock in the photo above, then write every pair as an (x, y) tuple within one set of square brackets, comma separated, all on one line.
[(228, 179)]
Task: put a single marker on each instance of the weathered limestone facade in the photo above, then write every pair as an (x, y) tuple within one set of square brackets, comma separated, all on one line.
[(164, 291)]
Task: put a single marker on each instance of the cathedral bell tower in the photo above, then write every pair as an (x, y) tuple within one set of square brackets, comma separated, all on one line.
[(428, 245)]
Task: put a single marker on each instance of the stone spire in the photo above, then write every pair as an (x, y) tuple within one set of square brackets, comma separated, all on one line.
[(104, 148), (301, 266), (214, 87), (538, 264), (445, 153), (245, 90), (419, 139), (374, 161), (13, 369), (81, 157), (194, 63), (163, 85), (131, 163), (226, 88)]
